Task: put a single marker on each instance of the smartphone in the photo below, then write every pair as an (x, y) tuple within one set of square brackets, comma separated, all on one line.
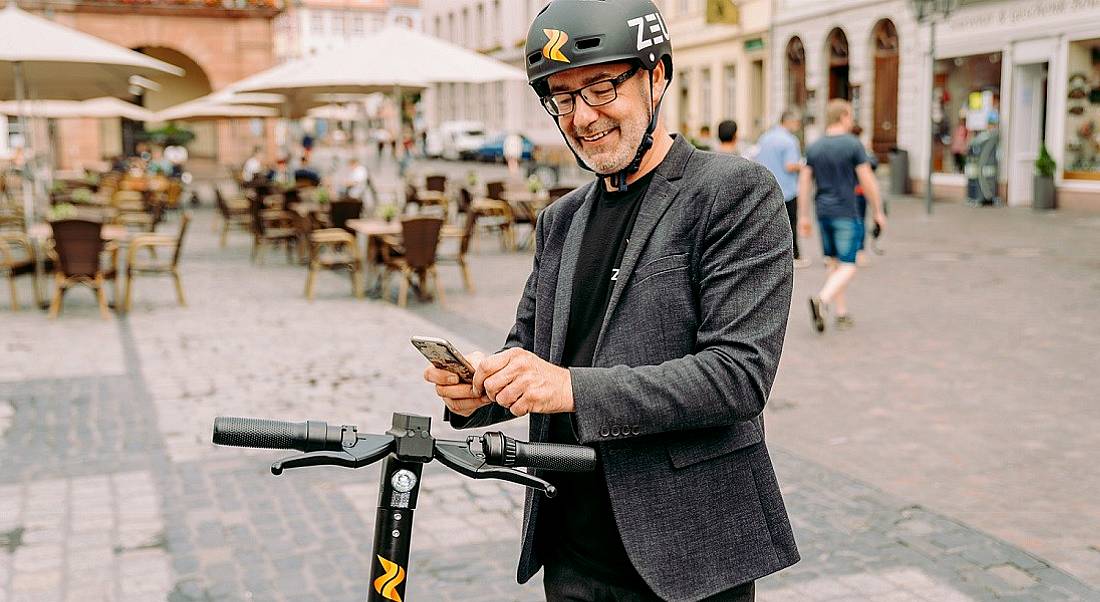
[(443, 355)]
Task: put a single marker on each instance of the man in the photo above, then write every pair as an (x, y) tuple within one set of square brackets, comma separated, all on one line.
[(778, 150), (650, 329), (359, 182), (727, 137), (836, 163), (306, 174), (253, 166)]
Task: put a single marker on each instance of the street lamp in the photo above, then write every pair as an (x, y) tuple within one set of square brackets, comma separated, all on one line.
[(929, 10)]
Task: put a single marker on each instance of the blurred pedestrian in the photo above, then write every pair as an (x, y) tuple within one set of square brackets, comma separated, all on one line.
[(862, 259), (727, 137), (176, 154), (359, 182), (960, 142), (513, 151), (253, 167), (834, 165), (306, 173), (779, 150)]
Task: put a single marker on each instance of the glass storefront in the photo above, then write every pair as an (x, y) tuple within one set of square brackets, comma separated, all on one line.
[(968, 101), (1082, 152)]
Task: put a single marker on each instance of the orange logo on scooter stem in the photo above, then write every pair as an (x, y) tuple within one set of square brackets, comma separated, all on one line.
[(387, 584)]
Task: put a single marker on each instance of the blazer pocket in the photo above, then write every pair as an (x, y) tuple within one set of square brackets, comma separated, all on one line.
[(706, 444), (677, 261)]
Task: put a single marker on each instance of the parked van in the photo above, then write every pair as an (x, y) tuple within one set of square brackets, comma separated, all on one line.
[(455, 140)]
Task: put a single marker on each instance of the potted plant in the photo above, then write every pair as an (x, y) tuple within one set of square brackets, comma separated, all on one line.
[(534, 183), (62, 211), (82, 195), (1043, 181), (388, 211), (321, 196)]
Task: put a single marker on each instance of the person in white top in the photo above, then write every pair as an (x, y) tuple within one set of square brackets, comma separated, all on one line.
[(359, 182), (513, 150), (252, 167)]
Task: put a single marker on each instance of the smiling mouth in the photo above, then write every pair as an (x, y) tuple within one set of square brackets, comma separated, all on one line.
[(596, 137)]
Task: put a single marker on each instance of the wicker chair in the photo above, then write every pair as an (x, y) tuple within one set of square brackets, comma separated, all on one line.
[(232, 216), (14, 263), (415, 254), (331, 249), (136, 265), (78, 246), (272, 227), (341, 211), (464, 236)]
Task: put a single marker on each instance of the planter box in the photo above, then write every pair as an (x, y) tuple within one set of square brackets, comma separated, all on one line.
[(1042, 193)]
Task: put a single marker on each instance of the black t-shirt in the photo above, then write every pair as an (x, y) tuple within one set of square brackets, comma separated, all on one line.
[(578, 524)]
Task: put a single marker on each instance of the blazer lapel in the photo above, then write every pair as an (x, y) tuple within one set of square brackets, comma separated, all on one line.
[(657, 199), (563, 297)]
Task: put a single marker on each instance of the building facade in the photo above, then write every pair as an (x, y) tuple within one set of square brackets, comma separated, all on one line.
[(1032, 67), (215, 42), (721, 68), (310, 26), (497, 28)]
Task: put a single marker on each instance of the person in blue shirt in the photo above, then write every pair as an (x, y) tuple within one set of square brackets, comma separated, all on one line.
[(835, 164), (778, 150)]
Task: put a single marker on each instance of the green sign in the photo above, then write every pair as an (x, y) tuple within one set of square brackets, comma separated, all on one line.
[(754, 44)]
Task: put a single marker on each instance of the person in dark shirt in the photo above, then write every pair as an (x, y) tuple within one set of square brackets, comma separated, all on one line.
[(650, 328), (836, 164)]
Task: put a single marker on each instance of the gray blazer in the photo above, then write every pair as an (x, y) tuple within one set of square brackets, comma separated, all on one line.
[(682, 368)]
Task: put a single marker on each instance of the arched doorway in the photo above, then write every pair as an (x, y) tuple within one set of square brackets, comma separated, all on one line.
[(885, 44), (173, 91), (797, 96), (836, 48)]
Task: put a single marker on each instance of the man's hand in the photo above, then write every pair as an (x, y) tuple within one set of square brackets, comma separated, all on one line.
[(880, 219), (524, 383), (805, 229), (459, 397)]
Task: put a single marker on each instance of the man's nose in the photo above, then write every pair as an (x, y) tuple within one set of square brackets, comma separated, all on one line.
[(584, 115)]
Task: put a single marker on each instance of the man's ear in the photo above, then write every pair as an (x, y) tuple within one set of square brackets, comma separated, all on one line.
[(658, 80)]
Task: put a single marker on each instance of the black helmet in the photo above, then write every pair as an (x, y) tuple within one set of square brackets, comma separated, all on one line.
[(576, 33)]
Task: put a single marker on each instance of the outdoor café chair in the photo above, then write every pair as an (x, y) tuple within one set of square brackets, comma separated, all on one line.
[(272, 227), (341, 211), (77, 249), (332, 249), (415, 255), (15, 262), (152, 265), (237, 217), (436, 183), (464, 236)]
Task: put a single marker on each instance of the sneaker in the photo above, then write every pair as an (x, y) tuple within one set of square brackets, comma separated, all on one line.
[(844, 322), (817, 314), (802, 263)]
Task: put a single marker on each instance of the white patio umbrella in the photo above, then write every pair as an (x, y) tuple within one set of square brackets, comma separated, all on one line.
[(55, 62), (107, 107), (209, 107)]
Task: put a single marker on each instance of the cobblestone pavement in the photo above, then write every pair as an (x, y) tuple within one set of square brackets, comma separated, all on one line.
[(110, 489)]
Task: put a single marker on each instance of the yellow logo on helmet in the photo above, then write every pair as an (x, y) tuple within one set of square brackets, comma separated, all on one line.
[(556, 39), (387, 583)]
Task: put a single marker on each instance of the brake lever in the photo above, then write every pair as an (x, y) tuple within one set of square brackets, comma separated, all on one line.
[(458, 457), (366, 450)]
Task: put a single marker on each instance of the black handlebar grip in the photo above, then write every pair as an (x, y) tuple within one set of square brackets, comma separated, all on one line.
[(502, 450), (306, 436), (556, 456)]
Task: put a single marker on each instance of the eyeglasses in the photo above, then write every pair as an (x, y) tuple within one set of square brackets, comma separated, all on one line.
[(595, 94)]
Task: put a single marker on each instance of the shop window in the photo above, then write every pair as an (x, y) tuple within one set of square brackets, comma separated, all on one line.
[(967, 91), (1082, 157)]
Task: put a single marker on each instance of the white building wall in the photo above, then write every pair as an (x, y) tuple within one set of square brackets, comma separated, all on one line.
[(700, 48), (498, 29)]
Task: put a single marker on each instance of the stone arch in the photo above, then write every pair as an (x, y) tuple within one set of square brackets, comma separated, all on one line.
[(797, 95), (885, 50)]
